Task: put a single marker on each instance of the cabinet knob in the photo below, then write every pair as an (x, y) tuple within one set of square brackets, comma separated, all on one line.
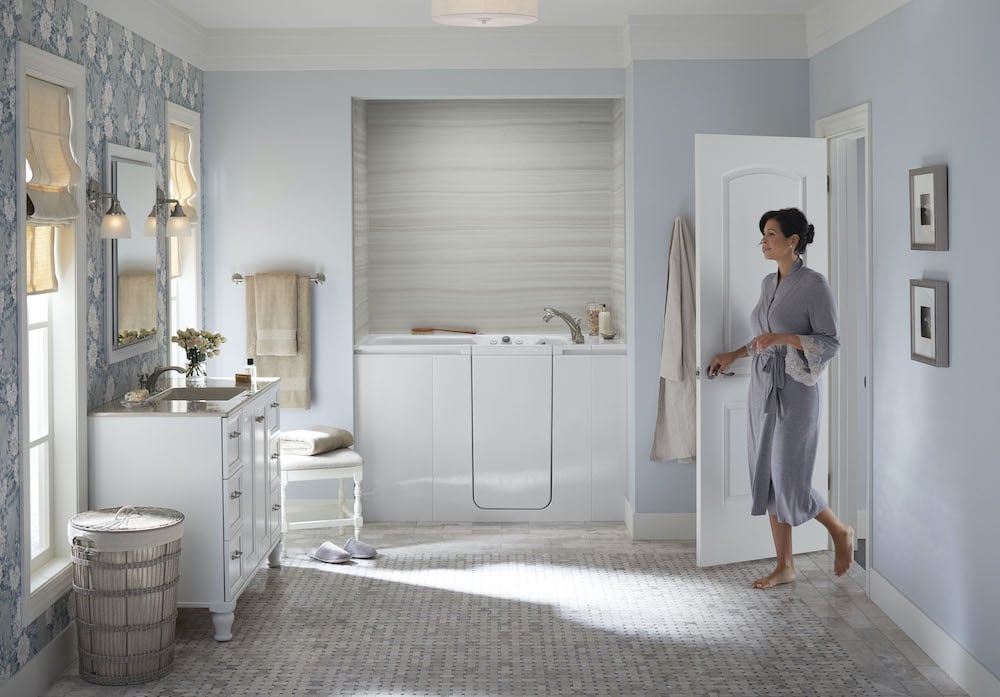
[(236, 555), (235, 494), (276, 507), (259, 419), (234, 434), (275, 405), (275, 456)]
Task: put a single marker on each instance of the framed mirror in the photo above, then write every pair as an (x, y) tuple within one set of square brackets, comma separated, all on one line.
[(131, 262)]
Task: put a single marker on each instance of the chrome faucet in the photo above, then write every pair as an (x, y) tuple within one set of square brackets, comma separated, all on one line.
[(574, 324), (149, 381)]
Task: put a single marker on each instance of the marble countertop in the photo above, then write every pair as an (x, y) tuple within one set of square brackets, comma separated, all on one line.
[(181, 407)]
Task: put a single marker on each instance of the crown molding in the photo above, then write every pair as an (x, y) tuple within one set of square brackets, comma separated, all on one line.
[(835, 20), (693, 37), (160, 24), (645, 37), (416, 49)]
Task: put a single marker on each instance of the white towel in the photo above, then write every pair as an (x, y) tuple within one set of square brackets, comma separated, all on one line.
[(136, 301), (675, 434), (276, 314), (294, 371), (315, 440)]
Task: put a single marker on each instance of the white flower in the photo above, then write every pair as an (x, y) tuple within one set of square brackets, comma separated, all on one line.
[(8, 25), (45, 25), (90, 46)]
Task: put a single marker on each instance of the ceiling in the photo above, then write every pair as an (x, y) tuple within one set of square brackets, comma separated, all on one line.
[(297, 14)]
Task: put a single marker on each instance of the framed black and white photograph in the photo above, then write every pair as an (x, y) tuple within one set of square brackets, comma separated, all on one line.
[(929, 208), (929, 322)]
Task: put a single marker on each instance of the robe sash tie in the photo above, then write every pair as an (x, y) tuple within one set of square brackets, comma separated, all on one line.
[(774, 365)]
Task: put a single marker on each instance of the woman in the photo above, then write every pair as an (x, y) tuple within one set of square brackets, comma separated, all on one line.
[(795, 327)]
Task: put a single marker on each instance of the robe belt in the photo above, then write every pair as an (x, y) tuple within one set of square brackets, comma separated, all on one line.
[(774, 365)]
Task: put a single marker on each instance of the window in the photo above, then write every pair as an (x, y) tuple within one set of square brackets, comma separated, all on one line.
[(51, 313), (184, 130)]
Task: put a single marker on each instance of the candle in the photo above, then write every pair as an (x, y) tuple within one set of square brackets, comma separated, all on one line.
[(604, 322)]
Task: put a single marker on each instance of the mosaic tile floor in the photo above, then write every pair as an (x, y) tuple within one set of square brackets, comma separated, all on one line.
[(514, 610)]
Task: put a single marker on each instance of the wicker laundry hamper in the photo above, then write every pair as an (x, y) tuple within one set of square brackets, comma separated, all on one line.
[(126, 564)]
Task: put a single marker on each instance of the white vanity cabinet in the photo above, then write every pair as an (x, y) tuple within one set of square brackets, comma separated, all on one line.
[(214, 461)]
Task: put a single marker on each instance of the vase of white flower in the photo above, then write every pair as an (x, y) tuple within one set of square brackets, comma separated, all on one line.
[(199, 346)]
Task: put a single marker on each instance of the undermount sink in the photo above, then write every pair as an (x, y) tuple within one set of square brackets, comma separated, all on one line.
[(199, 394)]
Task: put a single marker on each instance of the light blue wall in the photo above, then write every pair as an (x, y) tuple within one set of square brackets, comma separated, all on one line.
[(277, 164), (670, 102), (129, 81), (929, 71)]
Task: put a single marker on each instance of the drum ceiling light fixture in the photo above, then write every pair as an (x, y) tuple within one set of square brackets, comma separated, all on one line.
[(484, 13)]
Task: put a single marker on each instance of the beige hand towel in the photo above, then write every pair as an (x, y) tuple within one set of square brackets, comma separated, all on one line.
[(276, 309), (315, 440), (294, 371), (136, 301)]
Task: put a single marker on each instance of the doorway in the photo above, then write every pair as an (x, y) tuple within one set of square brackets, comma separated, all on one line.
[(848, 135)]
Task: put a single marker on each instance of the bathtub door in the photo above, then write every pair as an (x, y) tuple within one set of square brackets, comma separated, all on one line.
[(512, 427)]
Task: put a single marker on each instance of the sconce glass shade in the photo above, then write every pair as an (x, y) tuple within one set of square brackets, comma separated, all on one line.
[(178, 224), (149, 227), (484, 13), (114, 225)]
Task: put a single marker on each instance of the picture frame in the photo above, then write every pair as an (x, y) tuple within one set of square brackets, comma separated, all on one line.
[(929, 322), (929, 208)]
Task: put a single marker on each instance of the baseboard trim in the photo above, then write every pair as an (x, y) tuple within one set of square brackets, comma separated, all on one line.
[(964, 668), (659, 526), (45, 668)]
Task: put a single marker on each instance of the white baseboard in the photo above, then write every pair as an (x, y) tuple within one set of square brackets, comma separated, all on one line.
[(971, 675), (45, 668), (659, 526)]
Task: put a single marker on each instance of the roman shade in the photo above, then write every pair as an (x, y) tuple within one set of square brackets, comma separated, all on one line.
[(41, 262), (52, 170), (183, 186)]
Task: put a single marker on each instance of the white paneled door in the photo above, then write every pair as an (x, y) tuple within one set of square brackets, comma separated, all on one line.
[(737, 179)]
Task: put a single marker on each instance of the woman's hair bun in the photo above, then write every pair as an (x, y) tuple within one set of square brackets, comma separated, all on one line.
[(810, 233)]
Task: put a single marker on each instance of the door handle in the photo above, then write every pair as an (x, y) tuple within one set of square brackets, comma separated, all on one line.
[(697, 374)]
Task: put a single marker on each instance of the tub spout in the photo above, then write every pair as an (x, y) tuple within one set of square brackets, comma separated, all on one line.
[(574, 324)]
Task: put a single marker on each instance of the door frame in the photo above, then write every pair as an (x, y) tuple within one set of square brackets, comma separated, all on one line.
[(850, 124)]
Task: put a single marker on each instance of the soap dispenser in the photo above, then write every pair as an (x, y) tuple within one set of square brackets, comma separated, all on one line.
[(252, 372)]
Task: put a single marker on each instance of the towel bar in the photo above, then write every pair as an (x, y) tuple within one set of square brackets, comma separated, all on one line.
[(318, 279)]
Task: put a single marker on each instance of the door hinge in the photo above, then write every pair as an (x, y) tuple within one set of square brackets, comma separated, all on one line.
[(828, 183), (829, 481)]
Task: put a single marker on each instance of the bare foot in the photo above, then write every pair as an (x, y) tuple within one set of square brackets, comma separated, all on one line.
[(843, 545), (785, 574)]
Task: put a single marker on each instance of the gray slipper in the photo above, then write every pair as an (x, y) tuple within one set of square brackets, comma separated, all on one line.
[(330, 553), (359, 549)]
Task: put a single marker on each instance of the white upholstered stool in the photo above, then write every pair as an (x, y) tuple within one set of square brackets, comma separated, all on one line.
[(336, 464)]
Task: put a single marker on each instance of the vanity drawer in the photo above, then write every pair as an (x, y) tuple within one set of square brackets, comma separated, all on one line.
[(274, 460), (273, 413), (233, 549), (236, 490), (231, 432)]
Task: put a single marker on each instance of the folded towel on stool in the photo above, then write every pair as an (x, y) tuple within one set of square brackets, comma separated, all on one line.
[(330, 553), (359, 549), (315, 440)]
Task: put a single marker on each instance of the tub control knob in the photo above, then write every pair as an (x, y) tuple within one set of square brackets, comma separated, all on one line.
[(505, 339), (493, 341), (518, 341)]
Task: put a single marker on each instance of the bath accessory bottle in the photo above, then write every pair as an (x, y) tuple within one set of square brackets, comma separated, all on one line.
[(604, 323), (252, 372)]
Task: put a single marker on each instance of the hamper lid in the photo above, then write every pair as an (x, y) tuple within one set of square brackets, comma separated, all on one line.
[(146, 525)]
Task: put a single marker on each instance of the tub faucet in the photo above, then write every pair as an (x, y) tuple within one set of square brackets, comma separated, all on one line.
[(574, 324), (149, 381)]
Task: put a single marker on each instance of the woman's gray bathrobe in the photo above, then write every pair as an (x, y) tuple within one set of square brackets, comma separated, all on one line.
[(784, 399)]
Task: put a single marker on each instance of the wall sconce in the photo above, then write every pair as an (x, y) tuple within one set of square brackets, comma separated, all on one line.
[(114, 224), (178, 224)]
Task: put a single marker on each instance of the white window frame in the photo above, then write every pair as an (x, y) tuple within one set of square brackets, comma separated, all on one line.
[(191, 247), (43, 586)]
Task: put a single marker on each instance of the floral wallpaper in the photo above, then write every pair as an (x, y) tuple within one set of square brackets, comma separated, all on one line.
[(129, 81)]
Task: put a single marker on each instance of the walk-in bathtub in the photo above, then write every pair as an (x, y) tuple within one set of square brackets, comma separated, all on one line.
[(491, 427)]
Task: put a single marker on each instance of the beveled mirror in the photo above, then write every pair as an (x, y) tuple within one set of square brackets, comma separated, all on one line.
[(131, 262)]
